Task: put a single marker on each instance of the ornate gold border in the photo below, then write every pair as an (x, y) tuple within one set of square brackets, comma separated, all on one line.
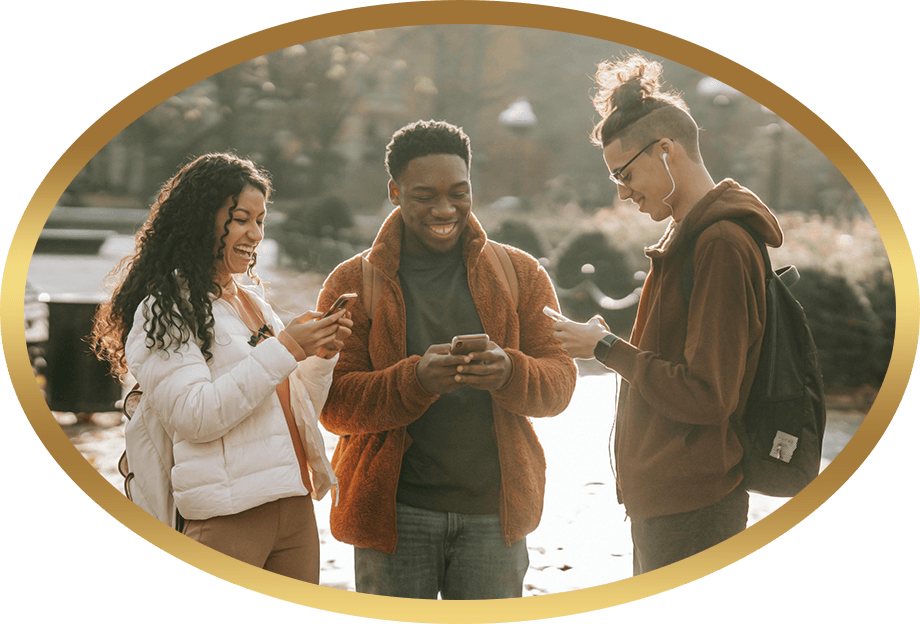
[(535, 16)]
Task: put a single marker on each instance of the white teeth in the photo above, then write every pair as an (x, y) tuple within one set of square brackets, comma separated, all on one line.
[(442, 230)]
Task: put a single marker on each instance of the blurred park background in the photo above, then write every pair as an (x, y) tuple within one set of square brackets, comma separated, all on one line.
[(318, 116)]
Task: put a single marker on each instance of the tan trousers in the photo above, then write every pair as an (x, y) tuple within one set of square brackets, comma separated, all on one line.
[(280, 537)]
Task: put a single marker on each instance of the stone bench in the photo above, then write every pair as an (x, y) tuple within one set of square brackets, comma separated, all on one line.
[(71, 242)]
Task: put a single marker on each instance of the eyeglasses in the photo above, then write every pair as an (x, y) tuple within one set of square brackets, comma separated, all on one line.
[(615, 176)]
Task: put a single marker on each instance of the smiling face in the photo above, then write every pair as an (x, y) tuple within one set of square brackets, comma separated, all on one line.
[(645, 180), (238, 239), (435, 198)]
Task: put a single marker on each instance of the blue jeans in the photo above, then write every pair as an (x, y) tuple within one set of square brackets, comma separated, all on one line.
[(662, 540), (462, 556)]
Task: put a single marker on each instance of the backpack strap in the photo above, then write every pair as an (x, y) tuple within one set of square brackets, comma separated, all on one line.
[(370, 278), (497, 255), (501, 262)]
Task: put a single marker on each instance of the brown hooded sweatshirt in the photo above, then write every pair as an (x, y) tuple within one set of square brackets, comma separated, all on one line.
[(689, 368), (375, 392)]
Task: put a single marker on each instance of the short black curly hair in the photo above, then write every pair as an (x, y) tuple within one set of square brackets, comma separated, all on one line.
[(422, 138)]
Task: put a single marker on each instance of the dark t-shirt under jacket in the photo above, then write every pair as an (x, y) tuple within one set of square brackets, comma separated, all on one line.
[(452, 463)]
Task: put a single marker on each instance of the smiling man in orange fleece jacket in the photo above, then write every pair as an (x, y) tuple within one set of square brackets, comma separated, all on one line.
[(440, 473)]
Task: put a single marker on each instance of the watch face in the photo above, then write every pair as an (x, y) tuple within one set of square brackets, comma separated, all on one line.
[(602, 350)]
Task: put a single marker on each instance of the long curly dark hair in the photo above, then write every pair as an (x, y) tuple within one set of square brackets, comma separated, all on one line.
[(174, 260)]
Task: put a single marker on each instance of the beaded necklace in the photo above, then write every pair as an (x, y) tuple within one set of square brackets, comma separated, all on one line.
[(258, 335)]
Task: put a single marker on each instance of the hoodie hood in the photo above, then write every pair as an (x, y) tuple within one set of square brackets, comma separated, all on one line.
[(728, 200)]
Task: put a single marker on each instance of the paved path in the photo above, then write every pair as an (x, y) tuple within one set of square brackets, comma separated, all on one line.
[(583, 538)]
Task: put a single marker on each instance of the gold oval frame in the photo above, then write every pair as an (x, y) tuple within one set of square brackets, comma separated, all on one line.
[(535, 16)]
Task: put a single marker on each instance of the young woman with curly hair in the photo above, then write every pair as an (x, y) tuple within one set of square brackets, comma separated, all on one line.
[(234, 393)]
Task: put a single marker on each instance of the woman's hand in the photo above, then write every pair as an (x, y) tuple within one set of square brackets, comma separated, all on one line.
[(579, 339), (312, 332), (330, 349)]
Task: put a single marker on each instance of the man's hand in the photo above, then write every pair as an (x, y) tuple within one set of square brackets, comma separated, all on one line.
[(579, 339), (485, 370), (437, 370)]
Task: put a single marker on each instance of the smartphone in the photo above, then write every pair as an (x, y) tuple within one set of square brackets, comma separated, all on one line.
[(343, 300), (462, 345), (556, 316)]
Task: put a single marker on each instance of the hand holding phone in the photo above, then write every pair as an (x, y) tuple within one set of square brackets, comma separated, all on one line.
[(340, 303), (556, 316), (469, 343), (492, 367)]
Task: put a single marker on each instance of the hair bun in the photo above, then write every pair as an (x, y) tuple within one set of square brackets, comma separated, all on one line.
[(627, 90), (626, 84), (631, 93)]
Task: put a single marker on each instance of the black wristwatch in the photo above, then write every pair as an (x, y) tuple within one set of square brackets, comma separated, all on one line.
[(602, 349)]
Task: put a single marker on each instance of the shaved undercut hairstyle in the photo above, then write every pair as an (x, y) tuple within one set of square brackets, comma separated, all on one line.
[(636, 110)]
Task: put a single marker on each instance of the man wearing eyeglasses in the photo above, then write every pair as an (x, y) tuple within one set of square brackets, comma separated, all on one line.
[(688, 365)]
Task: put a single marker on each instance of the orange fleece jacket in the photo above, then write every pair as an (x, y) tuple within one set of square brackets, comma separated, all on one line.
[(375, 392), (690, 371)]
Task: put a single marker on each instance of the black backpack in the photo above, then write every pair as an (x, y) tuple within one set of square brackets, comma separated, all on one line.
[(782, 429)]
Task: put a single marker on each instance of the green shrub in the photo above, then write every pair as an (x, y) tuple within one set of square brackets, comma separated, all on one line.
[(316, 236), (519, 234), (846, 334), (589, 256), (879, 289), (327, 217)]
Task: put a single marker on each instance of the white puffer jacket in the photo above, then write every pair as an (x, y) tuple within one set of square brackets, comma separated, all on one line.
[(231, 445)]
